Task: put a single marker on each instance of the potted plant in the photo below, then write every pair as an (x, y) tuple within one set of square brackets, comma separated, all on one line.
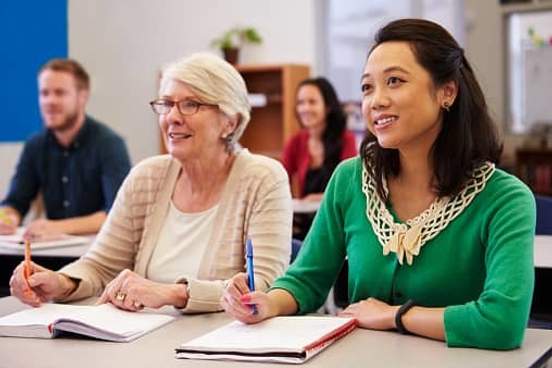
[(232, 40)]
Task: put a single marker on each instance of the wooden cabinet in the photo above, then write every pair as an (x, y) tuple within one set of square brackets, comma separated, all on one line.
[(275, 122), (534, 167)]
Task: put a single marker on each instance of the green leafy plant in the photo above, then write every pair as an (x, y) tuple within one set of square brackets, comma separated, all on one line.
[(237, 37)]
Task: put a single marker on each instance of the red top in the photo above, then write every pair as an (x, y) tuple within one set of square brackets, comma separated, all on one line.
[(296, 158)]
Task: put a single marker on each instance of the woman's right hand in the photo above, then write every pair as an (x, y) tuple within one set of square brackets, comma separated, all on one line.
[(45, 285), (238, 301)]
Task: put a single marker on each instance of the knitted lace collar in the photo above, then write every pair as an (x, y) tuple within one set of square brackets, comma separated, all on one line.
[(406, 239)]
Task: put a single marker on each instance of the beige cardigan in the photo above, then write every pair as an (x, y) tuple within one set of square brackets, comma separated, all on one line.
[(255, 203)]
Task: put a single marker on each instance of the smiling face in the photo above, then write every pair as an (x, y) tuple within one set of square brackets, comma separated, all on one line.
[(196, 135), (61, 102), (400, 103), (311, 108)]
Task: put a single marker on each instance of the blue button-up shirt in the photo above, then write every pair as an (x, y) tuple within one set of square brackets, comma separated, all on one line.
[(75, 181)]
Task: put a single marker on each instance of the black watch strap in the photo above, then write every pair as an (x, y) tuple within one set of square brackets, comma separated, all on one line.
[(400, 313)]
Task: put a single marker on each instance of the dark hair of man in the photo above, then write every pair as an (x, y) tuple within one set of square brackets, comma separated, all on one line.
[(468, 136), (69, 66), (336, 122)]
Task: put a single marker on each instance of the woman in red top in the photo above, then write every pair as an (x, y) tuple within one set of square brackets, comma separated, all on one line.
[(310, 157)]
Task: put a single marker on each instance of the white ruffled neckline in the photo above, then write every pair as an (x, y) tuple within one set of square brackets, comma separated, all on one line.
[(407, 239)]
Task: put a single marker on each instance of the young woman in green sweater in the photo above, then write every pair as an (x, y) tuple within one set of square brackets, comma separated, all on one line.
[(439, 241)]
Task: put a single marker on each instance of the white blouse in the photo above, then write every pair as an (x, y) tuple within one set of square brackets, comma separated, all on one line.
[(182, 242)]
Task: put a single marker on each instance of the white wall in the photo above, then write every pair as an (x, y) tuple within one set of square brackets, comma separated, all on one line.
[(9, 153), (484, 49), (124, 43)]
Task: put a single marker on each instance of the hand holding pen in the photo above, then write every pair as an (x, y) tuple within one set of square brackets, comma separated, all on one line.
[(20, 286), (34, 284), (240, 300)]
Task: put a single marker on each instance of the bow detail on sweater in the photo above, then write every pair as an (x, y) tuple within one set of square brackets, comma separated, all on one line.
[(406, 242)]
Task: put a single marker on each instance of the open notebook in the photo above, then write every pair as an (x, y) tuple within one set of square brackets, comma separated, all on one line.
[(16, 241), (292, 339), (104, 322)]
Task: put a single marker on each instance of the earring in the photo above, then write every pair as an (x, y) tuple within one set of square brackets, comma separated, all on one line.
[(446, 106)]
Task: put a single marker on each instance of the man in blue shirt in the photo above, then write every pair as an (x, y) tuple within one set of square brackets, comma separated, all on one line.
[(76, 163)]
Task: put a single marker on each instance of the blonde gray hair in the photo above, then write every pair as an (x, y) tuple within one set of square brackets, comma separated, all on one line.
[(214, 81)]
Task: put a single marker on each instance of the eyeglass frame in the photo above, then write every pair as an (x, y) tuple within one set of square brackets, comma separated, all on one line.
[(177, 104)]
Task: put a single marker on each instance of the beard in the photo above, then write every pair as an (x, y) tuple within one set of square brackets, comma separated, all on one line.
[(68, 122)]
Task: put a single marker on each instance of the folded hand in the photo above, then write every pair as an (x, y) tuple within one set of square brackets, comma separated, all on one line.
[(43, 230), (132, 292), (372, 313)]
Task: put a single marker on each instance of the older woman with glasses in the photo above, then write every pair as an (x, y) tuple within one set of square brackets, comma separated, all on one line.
[(177, 231)]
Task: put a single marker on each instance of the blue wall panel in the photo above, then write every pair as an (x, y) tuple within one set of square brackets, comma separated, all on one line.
[(31, 32)]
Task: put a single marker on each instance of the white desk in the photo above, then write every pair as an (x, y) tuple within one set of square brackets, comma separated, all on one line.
[(301, 206), (361, 348), (73, 251), (543, 251)]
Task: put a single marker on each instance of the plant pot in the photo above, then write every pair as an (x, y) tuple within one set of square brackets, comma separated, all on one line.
[(231, 55)]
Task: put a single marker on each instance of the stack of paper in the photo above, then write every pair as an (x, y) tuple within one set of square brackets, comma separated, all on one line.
[(257, 99)]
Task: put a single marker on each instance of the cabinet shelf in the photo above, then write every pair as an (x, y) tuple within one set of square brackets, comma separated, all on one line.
[(534, 167), (273, 124)]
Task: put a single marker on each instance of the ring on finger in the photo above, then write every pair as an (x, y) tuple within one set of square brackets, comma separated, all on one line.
[(120, 296)]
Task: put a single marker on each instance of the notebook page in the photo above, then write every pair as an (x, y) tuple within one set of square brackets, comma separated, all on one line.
[(279, 334), (104, 321), (43, 315), (106, 317)]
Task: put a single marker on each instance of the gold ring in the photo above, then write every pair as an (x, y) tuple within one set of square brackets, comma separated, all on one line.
[(120, 296)]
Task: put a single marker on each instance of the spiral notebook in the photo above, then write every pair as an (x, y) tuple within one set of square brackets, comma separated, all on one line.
[(293, 339)]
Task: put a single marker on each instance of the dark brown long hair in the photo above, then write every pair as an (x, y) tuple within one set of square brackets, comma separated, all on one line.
[(336, 122), (468, 136)]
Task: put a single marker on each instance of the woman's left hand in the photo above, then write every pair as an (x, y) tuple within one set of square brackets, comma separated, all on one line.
[(372, 313), (43, 230), (132, 292)]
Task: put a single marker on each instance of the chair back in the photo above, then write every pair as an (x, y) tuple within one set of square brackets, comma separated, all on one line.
[(295, 246), (544, 215)]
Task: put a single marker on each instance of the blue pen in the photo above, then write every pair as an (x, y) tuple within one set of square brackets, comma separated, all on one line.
[(250, 270)]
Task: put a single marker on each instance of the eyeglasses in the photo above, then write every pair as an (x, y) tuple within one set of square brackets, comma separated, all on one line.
[(185, 107)]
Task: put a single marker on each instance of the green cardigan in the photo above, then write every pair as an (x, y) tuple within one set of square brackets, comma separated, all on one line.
[(480, 267)]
